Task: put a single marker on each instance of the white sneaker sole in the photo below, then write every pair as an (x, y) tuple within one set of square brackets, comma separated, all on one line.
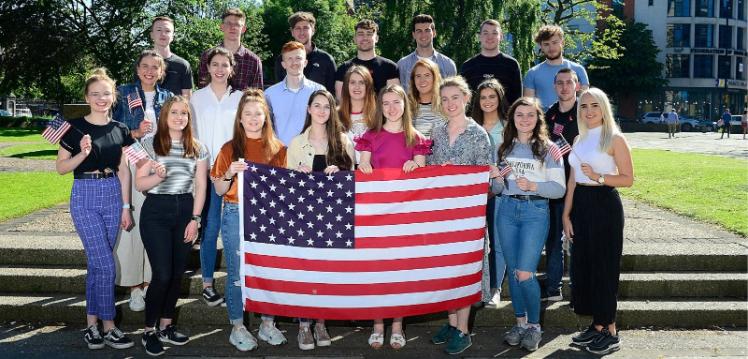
[(241, 349), (94, 346), (267, 339)]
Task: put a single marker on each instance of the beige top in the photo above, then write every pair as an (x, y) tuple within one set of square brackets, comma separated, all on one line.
[(301, 151)]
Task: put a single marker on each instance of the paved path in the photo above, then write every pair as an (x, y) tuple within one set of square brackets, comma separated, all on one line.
[(694, 142)]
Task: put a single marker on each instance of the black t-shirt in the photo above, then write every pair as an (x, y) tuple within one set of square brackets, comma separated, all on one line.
[(381, 70), (178, 75), (554, 119), (107, 141), (320, 69), (501, 67)]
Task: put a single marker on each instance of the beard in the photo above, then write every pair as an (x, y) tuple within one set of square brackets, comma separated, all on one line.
[(553, 57)]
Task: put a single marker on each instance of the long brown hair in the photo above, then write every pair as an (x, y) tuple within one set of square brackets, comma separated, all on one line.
[(413, 94), (370, 100), (495, 86), (336, 153), (538, 140), (407, 119), (271, 143), (162, 139)]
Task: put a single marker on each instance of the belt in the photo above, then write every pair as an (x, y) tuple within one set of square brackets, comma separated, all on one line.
[(94, 175), (526, 197), (589, 184)]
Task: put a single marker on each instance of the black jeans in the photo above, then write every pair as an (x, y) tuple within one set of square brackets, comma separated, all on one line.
[(162, 222)]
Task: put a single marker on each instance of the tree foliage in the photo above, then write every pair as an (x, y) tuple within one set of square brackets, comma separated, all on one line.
[(521, 17)]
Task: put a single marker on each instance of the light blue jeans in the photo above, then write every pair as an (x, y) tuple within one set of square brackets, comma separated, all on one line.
[(522, 227), (497, 264), (208, 248)]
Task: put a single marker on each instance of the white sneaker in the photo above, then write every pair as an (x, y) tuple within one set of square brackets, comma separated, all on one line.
[(495, 299), (137, 300), (242, 339), (271, 334)]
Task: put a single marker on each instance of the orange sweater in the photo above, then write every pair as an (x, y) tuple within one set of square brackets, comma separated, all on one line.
[(253, 152)]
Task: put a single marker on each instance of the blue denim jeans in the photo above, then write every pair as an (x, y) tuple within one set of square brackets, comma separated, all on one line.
[(230, 238), (522, 226), (497, 265), (554, 254), (212, 224)]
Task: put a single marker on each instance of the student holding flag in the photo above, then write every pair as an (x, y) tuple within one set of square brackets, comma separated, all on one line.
[(138, 107), (98, 202), (593, 219), (255, 141), (523, 217)]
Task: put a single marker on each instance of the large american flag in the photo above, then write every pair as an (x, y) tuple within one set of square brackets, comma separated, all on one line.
[(357, 246)]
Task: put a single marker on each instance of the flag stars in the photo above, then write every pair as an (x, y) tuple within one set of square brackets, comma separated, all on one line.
[(310, 225), (302, 183), (310, 242), (282, 181), (282, 213), (253, 184), (329, 177), (310, 208), (273, 171), (320, 184), (263, 194), (282, 230), (301, 199), (292, 174), (291, 206), (263, 211), (348, 194), (328, 225), (253, 236), (338, 218), (338, 234), (291, 223), (262, 228), (272, 238), (348, 243), (319, 216), (272, 204), (329, 208), (348, 226), (272, 220), (291, 240), (320, 234), (329, 242), (253, 218), (339, 201), (253, 168), (320, 200), (272, 188), (263, 178), (292, 190), (310, 192), (300, 215), (348, 209), (348, 177), (253, 201), (329, 193), (300, 232), (339, 185), (311, 177)]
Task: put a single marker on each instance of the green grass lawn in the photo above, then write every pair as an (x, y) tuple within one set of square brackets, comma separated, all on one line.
[(713, 189), (37, 151), (23, 193), (20, 135)]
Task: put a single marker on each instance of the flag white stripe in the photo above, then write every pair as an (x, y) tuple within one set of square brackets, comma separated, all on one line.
[(421, 183), (360, 301), (419, 228), (396, 276), (362, 254), (366, 209)]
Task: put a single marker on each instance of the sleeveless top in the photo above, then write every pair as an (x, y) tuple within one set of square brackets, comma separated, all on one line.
[(587, 150)]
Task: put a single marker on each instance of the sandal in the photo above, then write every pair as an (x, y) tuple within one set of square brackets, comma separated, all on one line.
[(376, 340), (397, 340)]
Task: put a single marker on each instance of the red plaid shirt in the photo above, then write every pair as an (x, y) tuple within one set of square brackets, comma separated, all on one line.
[(247, 70)]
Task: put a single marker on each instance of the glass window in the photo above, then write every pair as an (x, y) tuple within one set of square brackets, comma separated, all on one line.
[(679, 8), (741, 38), (705, 8), (723, 67), (725, 37), (651, 2), (703, 35), (725, 8), (679, 35), (703, 66), (741, 9), (740, 68), (677, 65)]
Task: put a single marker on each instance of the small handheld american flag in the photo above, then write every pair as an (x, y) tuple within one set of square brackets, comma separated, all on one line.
[(559, 148), (135, 153), (56, 128), (134, 101), (505, 170), (558, 129)]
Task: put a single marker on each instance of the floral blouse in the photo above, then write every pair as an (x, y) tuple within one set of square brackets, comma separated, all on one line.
[(471, 147)]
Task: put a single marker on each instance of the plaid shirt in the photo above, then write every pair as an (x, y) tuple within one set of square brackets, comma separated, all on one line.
[(247, 70)]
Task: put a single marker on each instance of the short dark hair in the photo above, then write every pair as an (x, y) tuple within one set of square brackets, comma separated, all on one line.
[(162, 18), (546, 32), (422, 19), (367, 24), (234, 11), (301, 16), (567, 70)]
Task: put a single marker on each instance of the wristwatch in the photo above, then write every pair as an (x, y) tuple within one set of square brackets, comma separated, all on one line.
[(601, 179), (196, 218)]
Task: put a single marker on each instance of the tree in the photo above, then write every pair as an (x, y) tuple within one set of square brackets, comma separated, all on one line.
[(635, 72), (522, 16)]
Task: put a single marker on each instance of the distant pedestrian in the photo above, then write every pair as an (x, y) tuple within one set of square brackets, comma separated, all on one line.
[(744, 122), (672, 120), (726, 117), (593, 219)]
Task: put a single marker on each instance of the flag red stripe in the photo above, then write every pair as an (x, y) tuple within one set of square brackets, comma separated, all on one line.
[(420, 239), (381, 265), (431, 193), (359, 313), (421, 217), (361, 289), (387, 174)]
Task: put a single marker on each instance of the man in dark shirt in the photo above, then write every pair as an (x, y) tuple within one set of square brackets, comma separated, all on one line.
[(383, 71), (320, 66), (247, 65), (561, 120), (491, 63), (178, 78)]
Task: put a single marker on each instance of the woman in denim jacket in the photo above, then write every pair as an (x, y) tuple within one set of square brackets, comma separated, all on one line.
[(138, 106)]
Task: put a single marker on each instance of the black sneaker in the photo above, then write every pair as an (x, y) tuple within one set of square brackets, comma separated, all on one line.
[(171, 335), (152, 344), (604, 343), (117, 340), (585, 337), (211, 297), (93, 338)]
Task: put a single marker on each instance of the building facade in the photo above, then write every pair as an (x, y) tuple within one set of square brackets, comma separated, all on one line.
[(703, 48)]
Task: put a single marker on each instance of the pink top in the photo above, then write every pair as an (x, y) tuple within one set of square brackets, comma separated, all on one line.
[(388, 150)]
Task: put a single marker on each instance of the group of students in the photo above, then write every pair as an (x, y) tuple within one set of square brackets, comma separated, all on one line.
[(138, 221)]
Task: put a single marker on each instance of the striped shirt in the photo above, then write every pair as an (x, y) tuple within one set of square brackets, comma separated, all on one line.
[(180, 171), (548, 174), (426, 119)]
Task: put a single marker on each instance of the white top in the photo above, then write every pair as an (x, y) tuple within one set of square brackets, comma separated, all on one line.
[(214, 118), (358, 127), (150, 112), (587, 150)]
